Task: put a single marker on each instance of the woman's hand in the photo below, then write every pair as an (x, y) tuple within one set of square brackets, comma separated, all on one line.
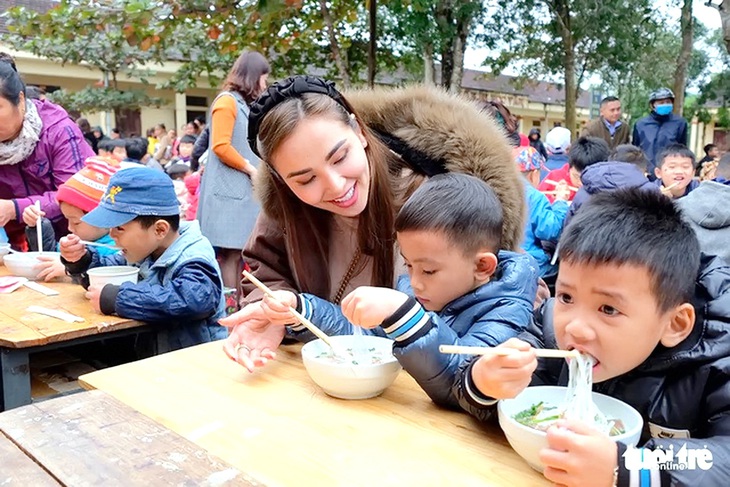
[(7, 212), (253, 339)]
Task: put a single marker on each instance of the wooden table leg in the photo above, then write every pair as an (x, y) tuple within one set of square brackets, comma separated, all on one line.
[(14, 378)]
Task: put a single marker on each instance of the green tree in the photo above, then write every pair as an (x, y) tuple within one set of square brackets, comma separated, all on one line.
[(116, 38), (437, 31), (567, 39)]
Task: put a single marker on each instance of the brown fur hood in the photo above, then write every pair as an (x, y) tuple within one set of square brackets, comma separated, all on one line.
[(434, 132)]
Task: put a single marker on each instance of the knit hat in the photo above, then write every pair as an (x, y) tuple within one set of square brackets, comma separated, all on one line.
[(85, 188), (528, 159), (557, 140)]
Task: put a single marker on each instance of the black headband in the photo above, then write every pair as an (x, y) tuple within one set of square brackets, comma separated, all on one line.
[(292, 87)]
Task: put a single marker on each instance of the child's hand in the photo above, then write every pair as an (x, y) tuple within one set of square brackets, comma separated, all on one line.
[(51, 266), (369, 306), (32, 214), (93, 294), (562, 191), (578, 455), (503, 377), (71, 248), (277, 310)]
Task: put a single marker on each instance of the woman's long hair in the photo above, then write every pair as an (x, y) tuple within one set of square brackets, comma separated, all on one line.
[(306, 226), (245, 74)]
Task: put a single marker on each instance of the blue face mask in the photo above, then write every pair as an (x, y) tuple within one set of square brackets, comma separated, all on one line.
[(663, 109)]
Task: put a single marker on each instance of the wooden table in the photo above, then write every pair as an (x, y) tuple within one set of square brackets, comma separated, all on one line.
[(91, 439), (22, 333), (277, 425)]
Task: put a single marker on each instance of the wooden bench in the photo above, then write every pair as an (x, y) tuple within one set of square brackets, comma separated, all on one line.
[(91, 439)]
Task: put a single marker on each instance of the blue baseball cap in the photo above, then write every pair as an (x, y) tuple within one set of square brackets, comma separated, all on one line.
[(133, 192)]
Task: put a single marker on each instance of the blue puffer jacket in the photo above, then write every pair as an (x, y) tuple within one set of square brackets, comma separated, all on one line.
[(544, 224), (655, 133), (489, 315), (682, 392), (182, 289), (608, 176)]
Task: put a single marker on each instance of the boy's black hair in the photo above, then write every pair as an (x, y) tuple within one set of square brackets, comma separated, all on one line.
[(631, 154), (116, 131), (608, 99), (118, 143), (723, 167), (136, 147), (708, 148), (586, 151), (678, 150), (147, 221), (463, 207), (107, 145), (188, 139), (639, 228)]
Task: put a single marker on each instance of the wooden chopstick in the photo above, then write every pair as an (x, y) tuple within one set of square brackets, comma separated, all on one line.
[(555, 183), (540, 352), (39, 228), (308, 324)]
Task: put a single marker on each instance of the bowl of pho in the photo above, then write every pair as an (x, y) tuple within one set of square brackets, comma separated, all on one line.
[(363, 366), (526, 418)]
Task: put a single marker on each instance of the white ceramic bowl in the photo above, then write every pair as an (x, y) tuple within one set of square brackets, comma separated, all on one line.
[(115, 274), (528, 442), (348, 380), (4, 250), (26, 264)]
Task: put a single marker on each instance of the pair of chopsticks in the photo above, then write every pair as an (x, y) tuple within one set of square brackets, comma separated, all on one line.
[(504, 352), (556, 183), (97, 244), (308, 324)]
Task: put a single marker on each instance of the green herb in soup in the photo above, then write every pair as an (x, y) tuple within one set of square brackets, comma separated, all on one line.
[(540, 416), (370, 356)]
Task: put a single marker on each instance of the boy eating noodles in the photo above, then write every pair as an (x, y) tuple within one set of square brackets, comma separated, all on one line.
[(675, 171), (460, 288), (180, 283), (634, 292)]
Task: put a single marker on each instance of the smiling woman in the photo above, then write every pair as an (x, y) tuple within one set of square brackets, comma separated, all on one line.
[(336, 171), (40, 148)]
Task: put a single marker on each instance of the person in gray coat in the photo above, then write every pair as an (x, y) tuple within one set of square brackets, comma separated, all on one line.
[(227, 209), (707, 210)]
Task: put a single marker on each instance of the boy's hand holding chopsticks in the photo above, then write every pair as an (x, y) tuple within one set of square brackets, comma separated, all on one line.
[(504, 376), (276, 307)]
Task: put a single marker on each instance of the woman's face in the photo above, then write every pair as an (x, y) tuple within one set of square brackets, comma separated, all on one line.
[(262, 82), (324, 164), (11, 118)]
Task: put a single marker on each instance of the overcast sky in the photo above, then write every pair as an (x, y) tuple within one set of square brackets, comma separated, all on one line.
[(707, 15)]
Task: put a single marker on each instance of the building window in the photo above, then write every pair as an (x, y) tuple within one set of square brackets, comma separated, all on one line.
[(196, 101), (536, 123)]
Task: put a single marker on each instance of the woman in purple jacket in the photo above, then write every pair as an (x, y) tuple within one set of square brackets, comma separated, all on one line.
[(40, 148)]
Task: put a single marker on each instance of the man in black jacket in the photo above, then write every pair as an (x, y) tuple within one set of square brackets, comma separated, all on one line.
[(634, 293)]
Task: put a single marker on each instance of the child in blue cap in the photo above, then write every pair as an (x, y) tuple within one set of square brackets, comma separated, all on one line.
[(180, 282)]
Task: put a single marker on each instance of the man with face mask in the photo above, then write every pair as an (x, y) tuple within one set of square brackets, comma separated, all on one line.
[(660, 129)]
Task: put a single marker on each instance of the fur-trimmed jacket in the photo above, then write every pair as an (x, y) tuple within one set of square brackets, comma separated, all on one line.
[(432, 132)]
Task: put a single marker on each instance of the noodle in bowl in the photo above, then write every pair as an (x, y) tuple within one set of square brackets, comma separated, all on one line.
[(527, 441)]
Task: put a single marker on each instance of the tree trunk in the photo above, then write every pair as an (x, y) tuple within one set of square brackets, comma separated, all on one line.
[(443, 21), (463, 28), (429, 70), (372, 9), (339, 55), (724, 10), (561, 10), (680, 74)]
